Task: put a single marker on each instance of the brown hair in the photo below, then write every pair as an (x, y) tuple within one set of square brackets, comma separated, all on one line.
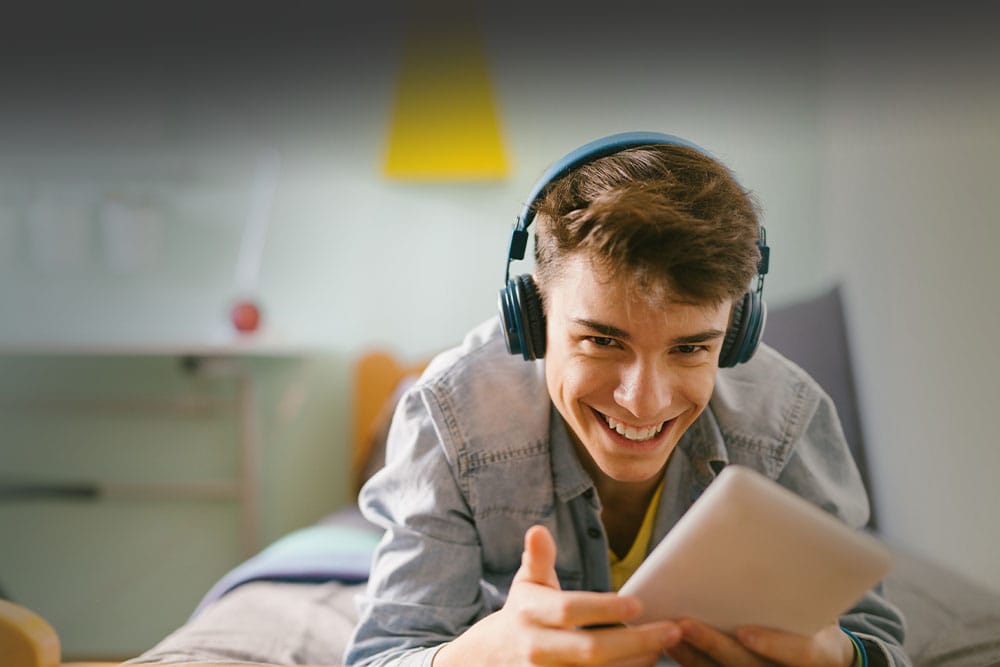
[(669, 217)]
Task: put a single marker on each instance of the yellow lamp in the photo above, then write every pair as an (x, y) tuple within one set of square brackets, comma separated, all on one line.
[(444, 123)]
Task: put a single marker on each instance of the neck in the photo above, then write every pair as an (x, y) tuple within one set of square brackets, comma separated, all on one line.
[(616, 495), (623, 507)]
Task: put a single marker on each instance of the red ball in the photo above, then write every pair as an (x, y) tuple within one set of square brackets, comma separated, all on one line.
[(245, 316)]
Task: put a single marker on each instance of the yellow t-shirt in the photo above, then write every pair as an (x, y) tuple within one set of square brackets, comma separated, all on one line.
[(622, 569)]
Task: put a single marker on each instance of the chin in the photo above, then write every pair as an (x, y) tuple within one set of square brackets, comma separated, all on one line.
[(632, 471)]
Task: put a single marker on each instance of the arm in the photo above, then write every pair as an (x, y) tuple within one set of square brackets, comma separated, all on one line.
[(822, 470), (412, 604), (819, 468), (426, 599)]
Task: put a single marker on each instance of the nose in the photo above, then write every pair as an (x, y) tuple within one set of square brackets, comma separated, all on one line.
[(644, 389)]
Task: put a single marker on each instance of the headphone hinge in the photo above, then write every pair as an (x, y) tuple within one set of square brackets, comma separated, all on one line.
[(518, 243)]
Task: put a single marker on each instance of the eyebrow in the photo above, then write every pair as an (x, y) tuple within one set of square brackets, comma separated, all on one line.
[(615, 332), (603, 329), (700, 337)]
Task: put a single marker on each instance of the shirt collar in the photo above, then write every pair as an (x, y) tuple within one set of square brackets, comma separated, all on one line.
[(569, 477), (705, 448)]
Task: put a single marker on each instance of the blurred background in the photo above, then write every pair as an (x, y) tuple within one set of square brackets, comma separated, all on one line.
[(354, 172)]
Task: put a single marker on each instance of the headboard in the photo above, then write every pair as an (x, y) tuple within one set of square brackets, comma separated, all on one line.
[(377, 378)]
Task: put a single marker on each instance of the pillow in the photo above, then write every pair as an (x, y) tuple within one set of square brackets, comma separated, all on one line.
[(950, 620)]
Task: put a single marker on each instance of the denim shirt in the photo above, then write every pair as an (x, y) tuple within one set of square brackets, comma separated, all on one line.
[(477, 454)]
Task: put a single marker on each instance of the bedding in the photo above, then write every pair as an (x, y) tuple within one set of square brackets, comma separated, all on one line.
[(273, 622), (338, 548), (294, 603)]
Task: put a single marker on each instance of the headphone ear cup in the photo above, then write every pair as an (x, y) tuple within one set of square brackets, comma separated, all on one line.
[(508, 319), (745, 328), (532, 318), (522, 318), (736, 333), (754, 327)]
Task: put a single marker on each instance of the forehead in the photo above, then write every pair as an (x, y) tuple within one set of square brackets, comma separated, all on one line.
[(584, 290)]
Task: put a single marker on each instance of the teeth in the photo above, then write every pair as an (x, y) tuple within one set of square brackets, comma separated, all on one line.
[(631, 432)]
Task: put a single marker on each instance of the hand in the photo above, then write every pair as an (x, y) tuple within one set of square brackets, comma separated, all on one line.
[(705, 646), (540, 624)]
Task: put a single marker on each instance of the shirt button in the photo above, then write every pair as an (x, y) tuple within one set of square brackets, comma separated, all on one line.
[(594, 532)]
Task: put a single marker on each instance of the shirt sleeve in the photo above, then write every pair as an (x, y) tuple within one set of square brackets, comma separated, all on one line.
[(414, 603), (821, 469)]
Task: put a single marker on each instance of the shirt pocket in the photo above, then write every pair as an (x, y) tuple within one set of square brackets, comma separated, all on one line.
[(508, 492), (497, 584), (502, 539)]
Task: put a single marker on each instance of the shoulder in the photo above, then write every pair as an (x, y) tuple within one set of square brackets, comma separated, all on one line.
[(765, 404), (485, 402), (481, 350)]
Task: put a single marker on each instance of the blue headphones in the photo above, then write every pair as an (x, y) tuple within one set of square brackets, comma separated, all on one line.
[(521, 315)]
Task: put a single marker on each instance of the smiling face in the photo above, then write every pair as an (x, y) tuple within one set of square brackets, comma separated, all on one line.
[(628, 375)]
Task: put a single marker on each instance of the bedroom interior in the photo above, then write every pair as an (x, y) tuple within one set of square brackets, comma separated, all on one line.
[(950, 620), (169, 449)]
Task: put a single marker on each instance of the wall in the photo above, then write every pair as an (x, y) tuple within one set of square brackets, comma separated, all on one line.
[(177, 129), (174, 126), (911, 154)]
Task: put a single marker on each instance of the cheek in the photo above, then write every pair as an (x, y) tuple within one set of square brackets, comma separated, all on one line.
[(699, 388), (576, 379)]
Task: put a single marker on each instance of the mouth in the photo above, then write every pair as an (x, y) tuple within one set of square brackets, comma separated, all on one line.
[(633, 433)]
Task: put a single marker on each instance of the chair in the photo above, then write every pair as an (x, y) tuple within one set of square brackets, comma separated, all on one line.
[(27, 640)]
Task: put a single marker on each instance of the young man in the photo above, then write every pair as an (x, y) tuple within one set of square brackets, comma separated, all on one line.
[(518, 496)]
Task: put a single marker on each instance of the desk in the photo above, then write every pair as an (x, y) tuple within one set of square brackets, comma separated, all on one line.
[(168, 450), (229, 361)]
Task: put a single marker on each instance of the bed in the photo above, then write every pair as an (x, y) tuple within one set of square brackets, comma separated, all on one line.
[(293, 603)]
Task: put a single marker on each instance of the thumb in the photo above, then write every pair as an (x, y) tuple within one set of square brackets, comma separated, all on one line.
[(538, 562)]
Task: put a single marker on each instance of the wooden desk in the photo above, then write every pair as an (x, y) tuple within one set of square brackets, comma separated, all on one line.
[(228, 360)]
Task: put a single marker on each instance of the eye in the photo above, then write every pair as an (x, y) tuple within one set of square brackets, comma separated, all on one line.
[(690, 349), (602, 341)]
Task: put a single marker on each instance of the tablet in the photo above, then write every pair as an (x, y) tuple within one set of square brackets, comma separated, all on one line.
[(751, 552)]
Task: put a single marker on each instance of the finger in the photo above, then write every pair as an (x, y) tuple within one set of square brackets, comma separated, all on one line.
[(687, 656), (579, 609), (828, 645), (598, 647), (648, 660), (538, 562), (717, 645)]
